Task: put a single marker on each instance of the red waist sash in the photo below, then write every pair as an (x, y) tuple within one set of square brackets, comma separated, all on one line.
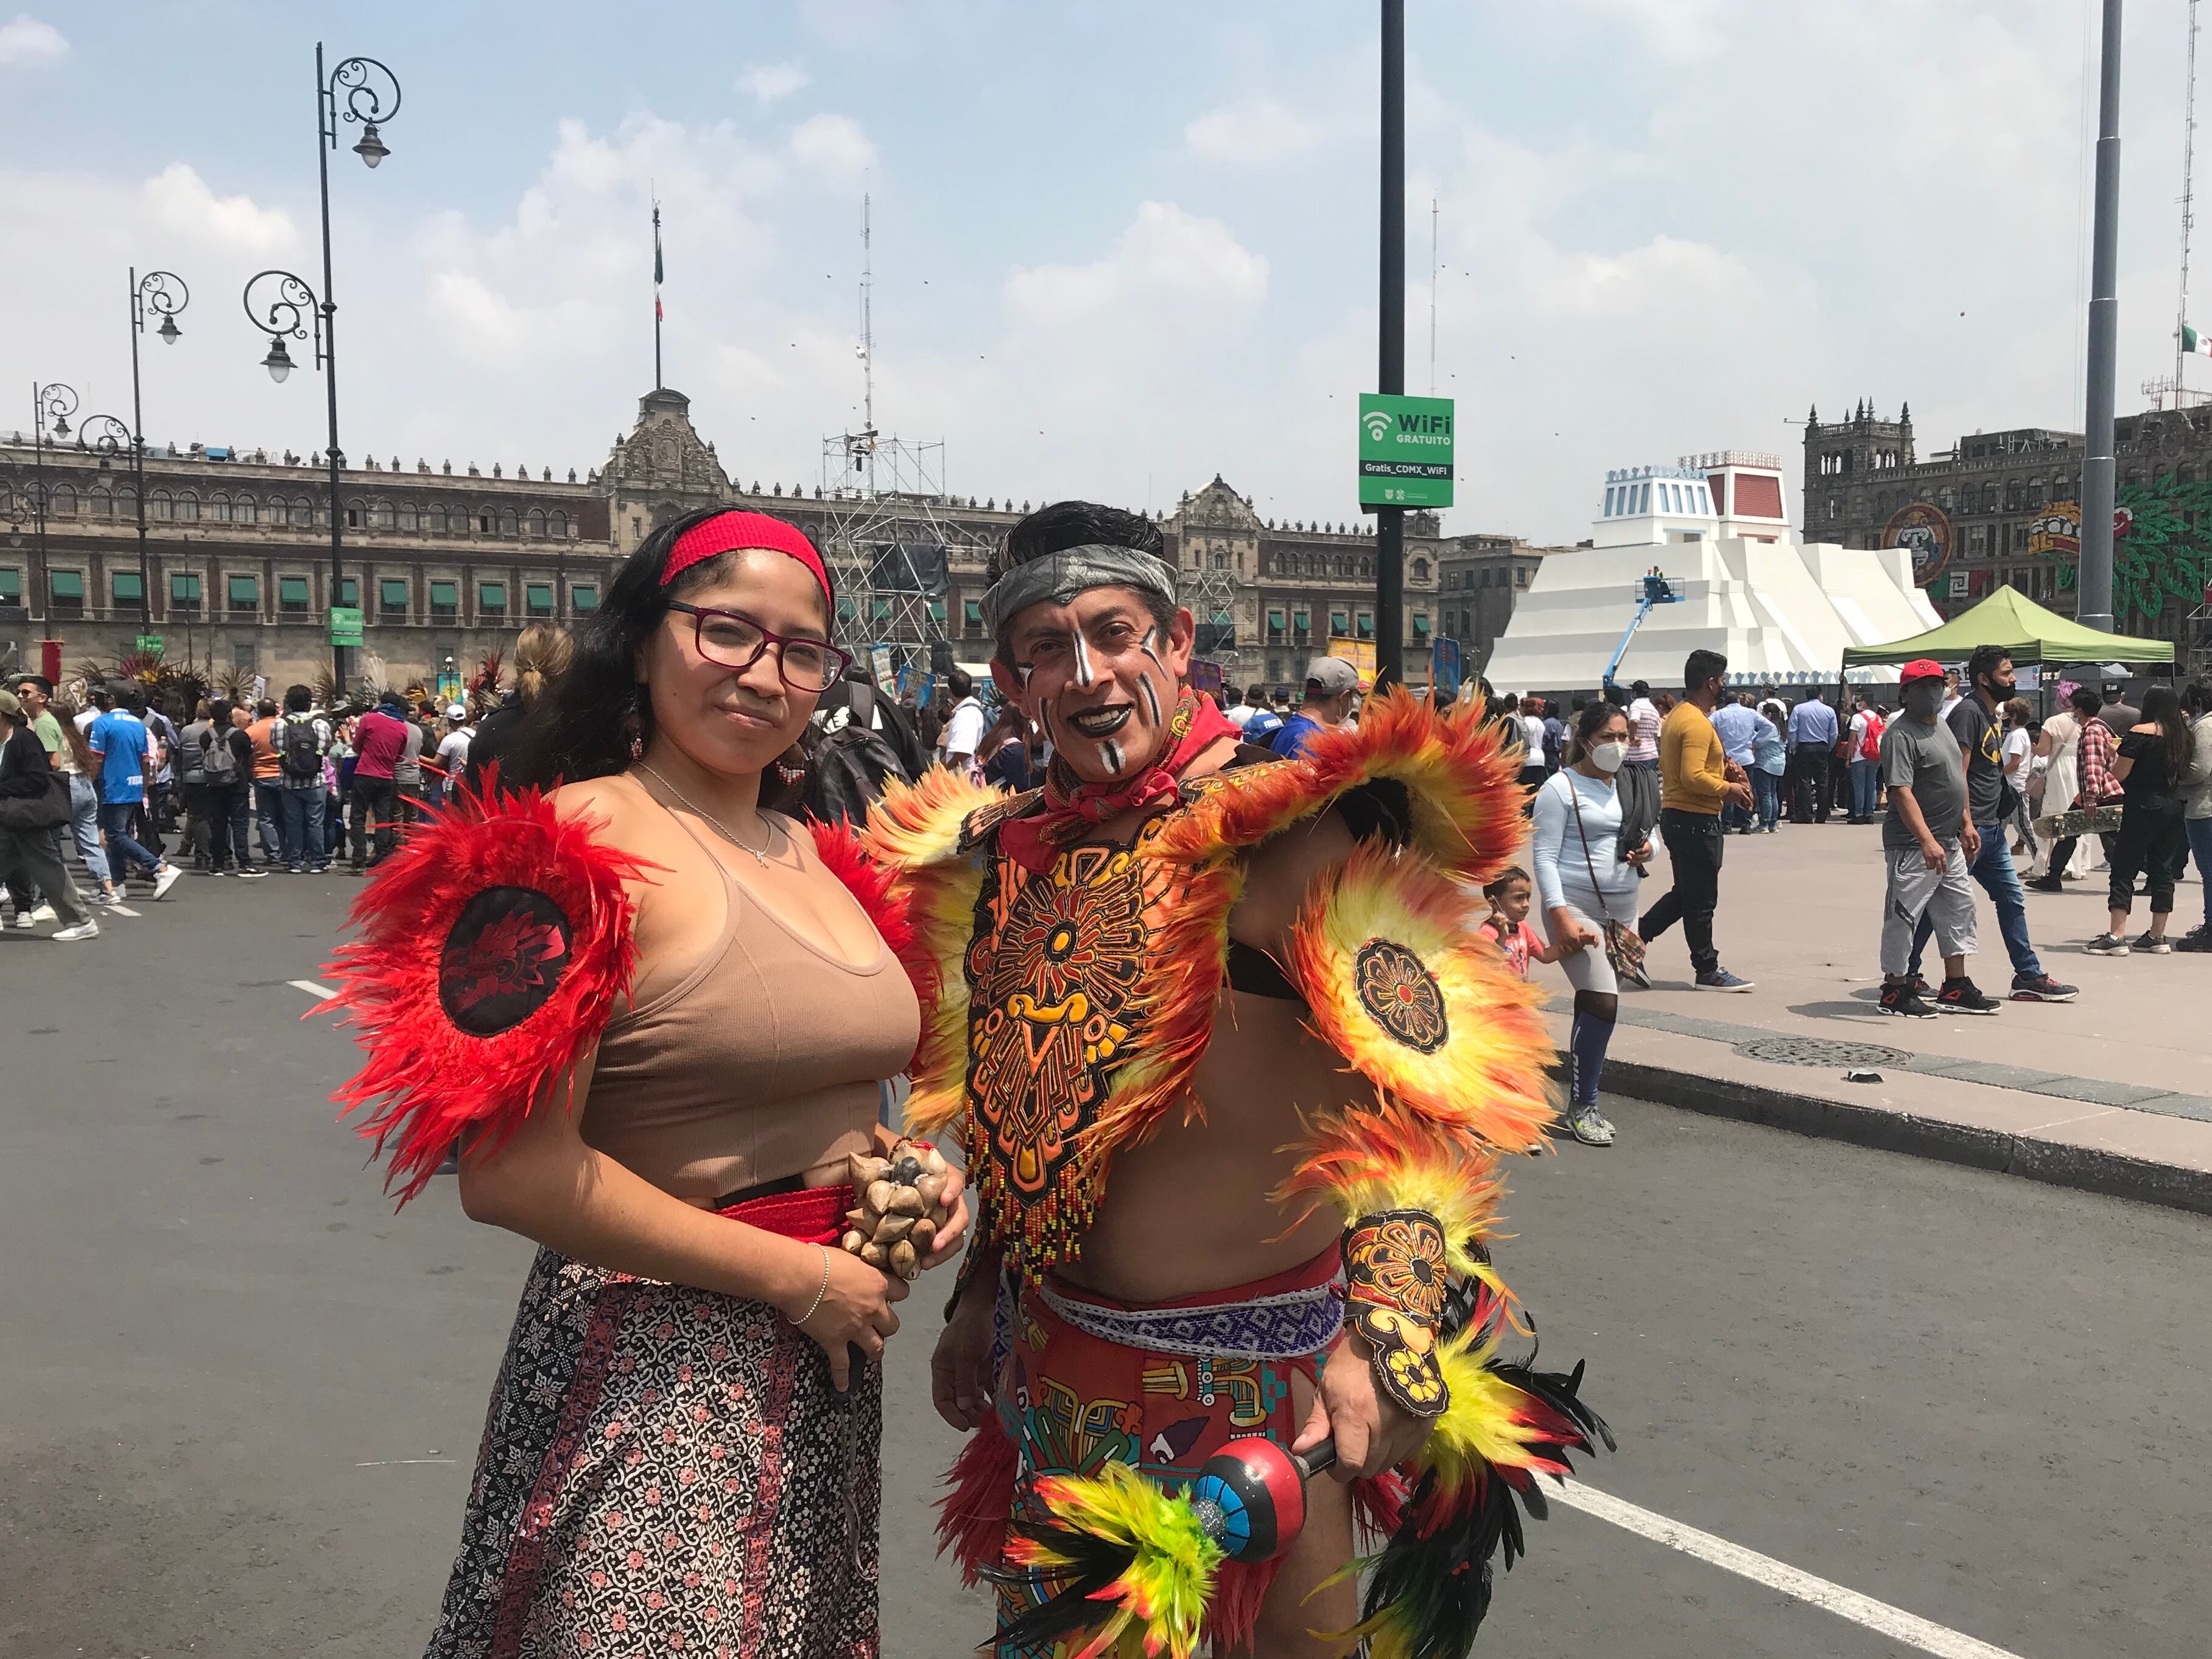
[(812, 1215)]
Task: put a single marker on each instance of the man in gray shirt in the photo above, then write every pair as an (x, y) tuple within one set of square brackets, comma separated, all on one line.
[(1928, 840)]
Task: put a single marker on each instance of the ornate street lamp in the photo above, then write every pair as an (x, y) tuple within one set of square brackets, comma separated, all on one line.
[(162, 293), (51, 405), (364, 91)]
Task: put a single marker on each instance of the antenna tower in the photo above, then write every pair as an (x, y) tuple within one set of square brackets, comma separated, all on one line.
[(1432, 292), (891, 543), (2188, 206)]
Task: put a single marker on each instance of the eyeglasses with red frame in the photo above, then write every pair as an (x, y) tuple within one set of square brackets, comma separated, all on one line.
[(730, 639)]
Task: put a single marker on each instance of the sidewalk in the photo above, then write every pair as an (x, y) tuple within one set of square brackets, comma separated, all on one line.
[(2106, 1093)]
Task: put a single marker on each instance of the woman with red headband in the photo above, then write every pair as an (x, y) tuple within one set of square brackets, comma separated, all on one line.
[(654, 1020)]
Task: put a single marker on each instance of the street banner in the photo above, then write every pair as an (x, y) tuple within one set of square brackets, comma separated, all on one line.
[(1925, 529), (1360, 653), (1444, 667), (879, 668), (1404, 451), (2057, 530), (345, 624)]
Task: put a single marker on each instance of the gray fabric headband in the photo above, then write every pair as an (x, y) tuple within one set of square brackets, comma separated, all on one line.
[(1061, 576)]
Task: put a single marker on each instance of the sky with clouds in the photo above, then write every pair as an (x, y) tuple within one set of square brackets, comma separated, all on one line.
[(1118, 248)]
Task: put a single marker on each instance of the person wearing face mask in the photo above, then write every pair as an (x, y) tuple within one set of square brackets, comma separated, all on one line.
[(1929, 840), (1176, 984), (650, 1012), (1593, 823), (1977, 721)]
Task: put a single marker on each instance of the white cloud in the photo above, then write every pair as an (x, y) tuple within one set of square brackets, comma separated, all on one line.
[(769, 82), (1165, 254), (178, 200), (833, 145), (26, 43), (1252, 133)]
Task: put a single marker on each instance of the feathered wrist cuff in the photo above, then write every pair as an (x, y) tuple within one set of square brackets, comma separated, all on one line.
[(1395, 1277)]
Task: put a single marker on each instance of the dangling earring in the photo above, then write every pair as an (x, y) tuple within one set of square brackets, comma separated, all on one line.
[(791, 766), (635, 721)]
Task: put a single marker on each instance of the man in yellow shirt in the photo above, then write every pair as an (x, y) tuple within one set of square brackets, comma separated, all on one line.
[(1696, 780)]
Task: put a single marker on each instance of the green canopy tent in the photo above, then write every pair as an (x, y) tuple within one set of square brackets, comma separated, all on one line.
[(2010, 618)]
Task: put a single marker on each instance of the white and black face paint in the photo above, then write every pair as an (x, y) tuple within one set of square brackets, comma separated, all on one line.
[(1111, 753), (1085, 675), (1151, 700)]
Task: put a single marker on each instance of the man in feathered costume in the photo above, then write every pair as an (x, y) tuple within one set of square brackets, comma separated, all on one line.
[(1234, 1073)]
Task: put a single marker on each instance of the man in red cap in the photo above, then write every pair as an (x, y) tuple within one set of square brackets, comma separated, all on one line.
[(1929, 843)]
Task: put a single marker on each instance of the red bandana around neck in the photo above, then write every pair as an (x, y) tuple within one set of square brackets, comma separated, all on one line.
[(1072, 807)]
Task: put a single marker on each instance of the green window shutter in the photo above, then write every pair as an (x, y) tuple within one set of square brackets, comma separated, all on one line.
[(883, 611), (1336, 622), (393, 592), (491, 596), (128, 586), (292, 590), (11, 587), (446, 595), (1366, 626), (245, 593), (848, 609), (537, 599), (1301, 619), (1274, 622), (350, 590), (583, 599), (67, 584), (937, 611), (183, 590), (1421, 627), (974, 609)]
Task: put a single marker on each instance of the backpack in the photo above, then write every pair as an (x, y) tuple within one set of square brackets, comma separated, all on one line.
[(217, 759), (1871, 745), (301, 755)]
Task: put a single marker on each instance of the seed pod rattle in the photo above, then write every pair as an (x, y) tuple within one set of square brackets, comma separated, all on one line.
[(901, 1209)]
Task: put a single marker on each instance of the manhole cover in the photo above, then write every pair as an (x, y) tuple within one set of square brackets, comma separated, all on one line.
[(1820, 1051)]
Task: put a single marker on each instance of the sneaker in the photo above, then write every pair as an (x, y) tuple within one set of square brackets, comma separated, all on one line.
[(23, 921), (2041, 988), (86, 929), (1589, 1125), (322, 869), (2197, 939), (110, 899), (45, 913), (1721, 980), (1963, 996), (1920, 986), (2150, 944), (296, 869), (166, 878), (2045, 885), (1906, 1002), (2103, 944), (252, 874)]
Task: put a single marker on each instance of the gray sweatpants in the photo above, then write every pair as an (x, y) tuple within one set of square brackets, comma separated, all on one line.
[(1946, 895), (27, 857)]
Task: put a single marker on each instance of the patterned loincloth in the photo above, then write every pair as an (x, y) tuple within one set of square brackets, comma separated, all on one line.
[(1186, 1376), (666, 1470)]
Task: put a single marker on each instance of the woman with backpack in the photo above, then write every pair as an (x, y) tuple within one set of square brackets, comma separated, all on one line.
[(1867, 727), (227, 766)]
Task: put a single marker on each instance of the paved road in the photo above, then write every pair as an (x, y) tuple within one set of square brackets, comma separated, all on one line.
[(238, 1398)]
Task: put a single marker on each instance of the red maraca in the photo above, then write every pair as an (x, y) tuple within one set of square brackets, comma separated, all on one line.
[(1250, 1496)]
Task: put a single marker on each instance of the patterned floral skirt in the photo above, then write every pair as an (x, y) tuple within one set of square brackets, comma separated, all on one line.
[(666, 1470)]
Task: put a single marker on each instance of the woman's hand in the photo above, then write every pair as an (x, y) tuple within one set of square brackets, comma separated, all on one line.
[(960, 1371), (855, 1311), (1569, 935), (1640, 854), (954, 1233)]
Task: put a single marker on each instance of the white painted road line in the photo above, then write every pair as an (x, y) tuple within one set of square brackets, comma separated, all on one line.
[(401, 1462), (312, 989), (1878, 1616), (118, 909)]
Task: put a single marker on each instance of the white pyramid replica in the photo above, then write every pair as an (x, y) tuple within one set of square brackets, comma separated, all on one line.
[(1779, 610)]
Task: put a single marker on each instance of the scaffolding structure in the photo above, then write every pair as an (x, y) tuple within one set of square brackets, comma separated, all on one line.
[(1210, 596)]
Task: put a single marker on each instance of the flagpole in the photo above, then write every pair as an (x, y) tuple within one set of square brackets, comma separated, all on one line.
[(657, 381)]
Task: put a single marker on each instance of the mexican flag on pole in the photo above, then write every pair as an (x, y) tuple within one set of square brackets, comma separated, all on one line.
[(2192, 341)]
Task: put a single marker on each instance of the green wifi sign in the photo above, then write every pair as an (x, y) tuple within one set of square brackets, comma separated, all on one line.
[(1404, 451)]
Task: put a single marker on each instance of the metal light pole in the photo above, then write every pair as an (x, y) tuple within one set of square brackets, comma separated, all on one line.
[(1390, 343), (363, 90), (164, 293), (51, 404), (108, 437), (2094, 597)]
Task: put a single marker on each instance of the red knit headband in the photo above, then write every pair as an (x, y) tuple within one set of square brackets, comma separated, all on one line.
[(728, 532)]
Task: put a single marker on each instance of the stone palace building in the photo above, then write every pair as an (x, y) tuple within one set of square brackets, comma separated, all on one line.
[(447, 564)]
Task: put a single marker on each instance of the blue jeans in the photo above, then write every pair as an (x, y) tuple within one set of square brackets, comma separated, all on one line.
[(1766, 796), (266, 813), (1866, 789), (2200, 843), (115, 824), (1993, 868), (301, 814), (84, 824)]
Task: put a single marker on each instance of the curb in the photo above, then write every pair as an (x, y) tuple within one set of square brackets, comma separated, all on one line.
[(2085, 1168)]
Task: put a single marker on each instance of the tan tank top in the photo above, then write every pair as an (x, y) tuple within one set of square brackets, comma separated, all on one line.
[(761, 1063)]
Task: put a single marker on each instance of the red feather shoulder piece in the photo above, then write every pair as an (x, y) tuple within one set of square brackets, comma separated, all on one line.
[(492, 947), (1462, 783)]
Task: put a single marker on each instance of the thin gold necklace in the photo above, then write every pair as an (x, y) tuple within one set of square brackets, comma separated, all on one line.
[(759, 854)]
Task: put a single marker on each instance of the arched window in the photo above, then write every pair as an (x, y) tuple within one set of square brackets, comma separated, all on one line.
[(536, 521), (410, 515), (1421, 571), (159, 505), (1221, 562), (487, 521), (302, 511), (506, 522), (100, 504), (64, 503), (379, 515), (219, 507), (434, 518), (187, 506), (556, 525)]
